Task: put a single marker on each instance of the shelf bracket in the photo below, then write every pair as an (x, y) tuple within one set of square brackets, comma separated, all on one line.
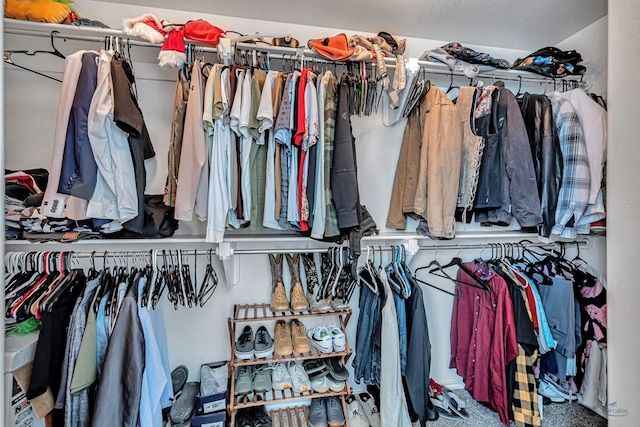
[(230, 263)]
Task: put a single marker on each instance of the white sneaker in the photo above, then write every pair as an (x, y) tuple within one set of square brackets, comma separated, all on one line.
[(321, 339), (280, 377), (355, 413), (319, 384), (299, 377), (337, 336), (547, 390), (335, 385)]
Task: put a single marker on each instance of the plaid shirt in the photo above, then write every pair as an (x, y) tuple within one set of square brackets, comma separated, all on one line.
[(576, 177)]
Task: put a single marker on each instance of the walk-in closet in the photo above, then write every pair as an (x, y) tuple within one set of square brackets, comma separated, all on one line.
[(300, 215)]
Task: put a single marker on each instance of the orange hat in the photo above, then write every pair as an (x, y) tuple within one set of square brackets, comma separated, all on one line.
[(201, 31), (335, 48)]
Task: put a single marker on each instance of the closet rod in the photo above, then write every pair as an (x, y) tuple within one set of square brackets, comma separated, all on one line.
[(98, 255), (276, 52)]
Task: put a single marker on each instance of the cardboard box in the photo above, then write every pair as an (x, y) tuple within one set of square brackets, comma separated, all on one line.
[(17, 409)]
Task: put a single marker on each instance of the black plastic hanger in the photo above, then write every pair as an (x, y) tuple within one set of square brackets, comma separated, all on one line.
[(456, 261)]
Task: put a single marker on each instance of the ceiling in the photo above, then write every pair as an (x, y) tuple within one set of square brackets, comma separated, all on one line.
[(518, 24)]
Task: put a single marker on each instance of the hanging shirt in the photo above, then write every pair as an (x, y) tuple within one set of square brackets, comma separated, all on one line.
[(483, 338), (220, 204), (576, 179), (155, 377), (183, 87), (302, 129), (246, 143), (76, 405), (193, 176), (293, 214), (117, 400), (282, 136), (114, 197), (128, 117), (278, 88), (54, 204), (265, 115), (309, 145), (593, 121), (234, 117), (392, 412), (331, 224), (319, 206), (258, 155)]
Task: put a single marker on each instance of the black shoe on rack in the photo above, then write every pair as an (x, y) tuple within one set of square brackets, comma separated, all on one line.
[(244, 418)]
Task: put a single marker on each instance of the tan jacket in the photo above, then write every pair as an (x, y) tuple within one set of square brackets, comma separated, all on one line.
[(428, 170)]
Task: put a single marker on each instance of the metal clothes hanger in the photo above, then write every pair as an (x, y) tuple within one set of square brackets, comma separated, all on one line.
[(209, 283)]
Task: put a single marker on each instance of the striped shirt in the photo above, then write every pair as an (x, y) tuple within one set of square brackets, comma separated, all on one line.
[(576, 178)]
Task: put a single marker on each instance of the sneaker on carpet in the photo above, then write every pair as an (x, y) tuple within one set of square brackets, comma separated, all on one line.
[(299, 377), (280, 377), (335, 414), (355, 412), (318, 412), (283, 344), (244, 382), (321, 339), (263, 344), (566, 394), (545, 389), (370, 409), (299, 337), (244, 345)]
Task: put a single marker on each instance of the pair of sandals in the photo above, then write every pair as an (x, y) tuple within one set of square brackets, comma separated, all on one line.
[(446, 402), (186, 397)]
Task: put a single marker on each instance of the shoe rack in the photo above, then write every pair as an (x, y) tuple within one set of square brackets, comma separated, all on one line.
[(248, 313)]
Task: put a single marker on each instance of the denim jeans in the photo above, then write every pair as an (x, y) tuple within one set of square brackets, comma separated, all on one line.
[(363, 362), (401, 313)]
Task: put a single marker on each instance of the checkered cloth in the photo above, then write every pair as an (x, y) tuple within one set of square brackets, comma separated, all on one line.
[(576, 176), (525, 393)]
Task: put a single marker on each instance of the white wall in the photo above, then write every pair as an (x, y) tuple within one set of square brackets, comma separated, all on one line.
[(200, 335), (623, 236), (591, 42)]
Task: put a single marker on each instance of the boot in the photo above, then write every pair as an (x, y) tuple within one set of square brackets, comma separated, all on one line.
[(298, 300), (317, 303), (278, 294)]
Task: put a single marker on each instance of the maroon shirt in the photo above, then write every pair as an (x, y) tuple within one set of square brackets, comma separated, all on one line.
[(483, 339)]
